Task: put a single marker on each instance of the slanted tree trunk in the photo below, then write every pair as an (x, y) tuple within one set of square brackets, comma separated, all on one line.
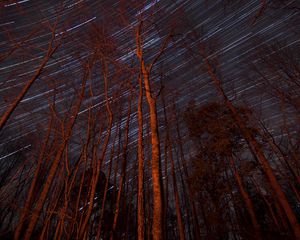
[(247, 200), (11, 108)]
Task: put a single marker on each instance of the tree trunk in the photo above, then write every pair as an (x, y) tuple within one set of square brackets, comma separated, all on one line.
[(140, 200), (247, 200), (157, 228), (123, 173), (26, 88)]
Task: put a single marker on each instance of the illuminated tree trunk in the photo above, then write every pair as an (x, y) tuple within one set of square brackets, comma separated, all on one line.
[(166, 179), (18, 99), (107, 180), (148, 204), (123, 173), (281, 156), (157, 227), (69, 182), (189, 194), (140, 200), (79, 195), (177, 200)]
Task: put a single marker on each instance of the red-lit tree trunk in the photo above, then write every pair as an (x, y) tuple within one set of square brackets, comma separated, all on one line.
[(11, 108), (107, 179), (123, 173), (190, 195), (140, 198)]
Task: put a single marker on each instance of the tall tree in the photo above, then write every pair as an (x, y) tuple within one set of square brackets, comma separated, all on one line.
[(155, 140)]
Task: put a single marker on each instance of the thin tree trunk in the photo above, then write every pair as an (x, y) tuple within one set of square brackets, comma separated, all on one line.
[(140, 200), (175, 189), (186, 175), (107, 181), (18, 99), (123, 173), (247, 200), (177, 199), (271, 211)]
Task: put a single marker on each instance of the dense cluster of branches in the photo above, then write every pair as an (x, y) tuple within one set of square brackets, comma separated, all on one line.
[(122, 158)]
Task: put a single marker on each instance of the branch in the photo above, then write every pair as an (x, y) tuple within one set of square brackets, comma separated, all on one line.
[(161, 51)]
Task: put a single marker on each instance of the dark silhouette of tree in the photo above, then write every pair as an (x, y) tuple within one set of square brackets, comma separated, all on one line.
[(220, 167)]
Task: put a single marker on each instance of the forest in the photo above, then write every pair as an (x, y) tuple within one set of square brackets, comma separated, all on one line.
[(150, 119)]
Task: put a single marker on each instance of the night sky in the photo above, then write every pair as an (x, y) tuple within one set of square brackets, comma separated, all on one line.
[(234, 27)]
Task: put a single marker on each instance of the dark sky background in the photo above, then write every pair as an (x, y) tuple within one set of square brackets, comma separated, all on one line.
[(232, 28)]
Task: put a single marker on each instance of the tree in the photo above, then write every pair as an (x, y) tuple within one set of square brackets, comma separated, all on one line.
[(219, 139), (155, 140)]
